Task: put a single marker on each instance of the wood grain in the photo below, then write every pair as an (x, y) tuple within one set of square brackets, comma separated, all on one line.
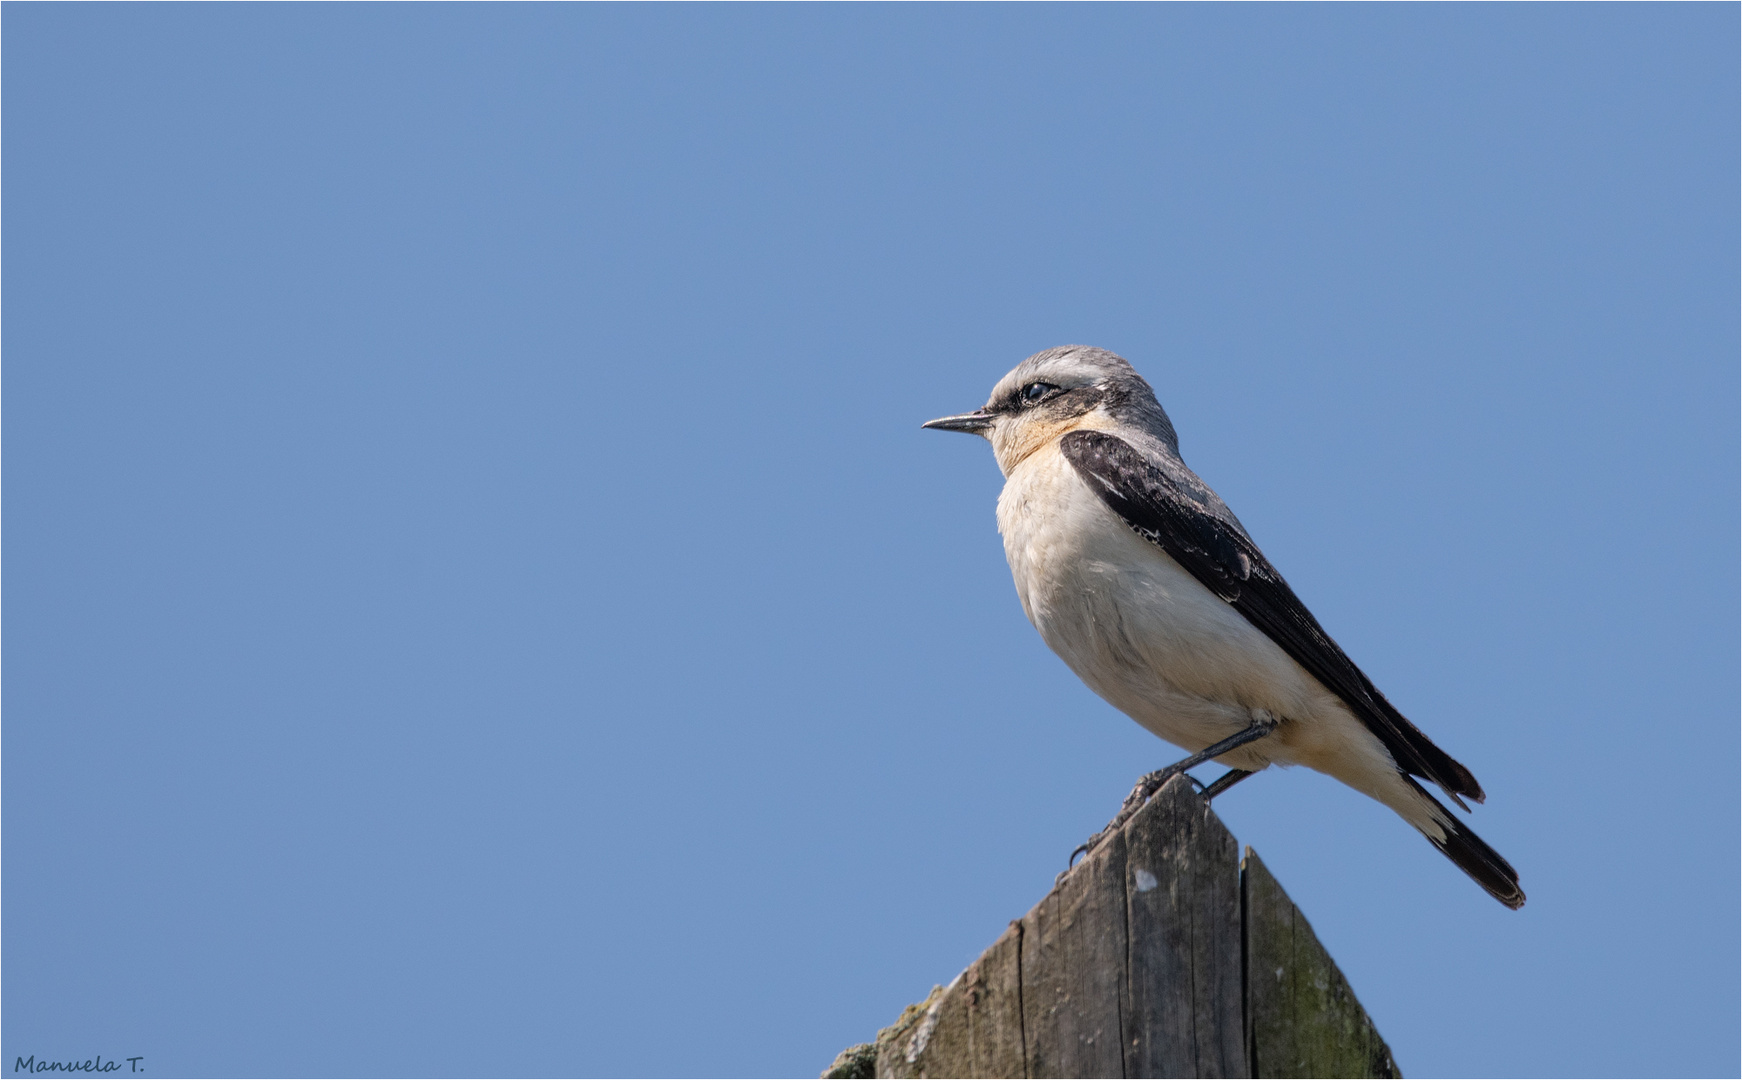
[(1073, 970), (1160, 954), (1184, 1015), (1303, 1018)]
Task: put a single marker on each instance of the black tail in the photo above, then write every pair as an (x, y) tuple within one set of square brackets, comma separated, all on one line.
[(1476, 858)]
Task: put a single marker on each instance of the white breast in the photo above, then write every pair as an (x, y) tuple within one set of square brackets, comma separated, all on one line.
[(1130, 621), (1161, 648)]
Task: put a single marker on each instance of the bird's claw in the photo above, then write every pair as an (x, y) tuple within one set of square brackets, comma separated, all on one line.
[(1084, 848), (1142, 792)]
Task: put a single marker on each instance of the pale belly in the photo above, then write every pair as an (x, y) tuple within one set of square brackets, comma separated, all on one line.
[(1143, 634)]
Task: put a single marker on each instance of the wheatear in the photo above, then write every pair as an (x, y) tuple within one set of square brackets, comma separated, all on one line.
[(1144, 582)]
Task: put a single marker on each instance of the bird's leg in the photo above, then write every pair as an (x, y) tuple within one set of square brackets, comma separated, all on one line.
[(1262, 724), (1224, 782)]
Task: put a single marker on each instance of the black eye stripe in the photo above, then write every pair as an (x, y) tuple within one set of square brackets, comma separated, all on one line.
[(1035, 391)]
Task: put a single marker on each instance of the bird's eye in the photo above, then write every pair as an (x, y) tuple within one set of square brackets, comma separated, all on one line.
[(1034, 391)]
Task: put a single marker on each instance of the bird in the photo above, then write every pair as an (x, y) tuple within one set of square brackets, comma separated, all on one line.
[(1147, 586)]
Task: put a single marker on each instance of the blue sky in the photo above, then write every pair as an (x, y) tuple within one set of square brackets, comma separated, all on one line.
[(478, 600)]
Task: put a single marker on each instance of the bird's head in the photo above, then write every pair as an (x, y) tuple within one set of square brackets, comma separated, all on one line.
[(1060, 390)]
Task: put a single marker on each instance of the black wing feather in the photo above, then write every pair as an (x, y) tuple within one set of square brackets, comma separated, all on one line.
[(1229, 564)]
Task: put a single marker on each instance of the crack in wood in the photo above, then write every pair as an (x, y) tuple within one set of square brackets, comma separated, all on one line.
[(1191, 958)]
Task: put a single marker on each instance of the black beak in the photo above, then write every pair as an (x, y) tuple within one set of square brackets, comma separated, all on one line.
[(977, 422)]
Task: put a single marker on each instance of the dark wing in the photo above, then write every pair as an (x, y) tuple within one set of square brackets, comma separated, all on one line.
[(1220, 555)]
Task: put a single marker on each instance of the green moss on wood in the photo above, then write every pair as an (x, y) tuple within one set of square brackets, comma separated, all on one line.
[(854, 1063), (1302, 1015)]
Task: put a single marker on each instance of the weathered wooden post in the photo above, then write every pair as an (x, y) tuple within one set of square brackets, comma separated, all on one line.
[(1162, 954)]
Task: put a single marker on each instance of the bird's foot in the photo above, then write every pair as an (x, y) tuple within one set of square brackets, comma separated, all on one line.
[(1145, 789), (1262, 724)]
